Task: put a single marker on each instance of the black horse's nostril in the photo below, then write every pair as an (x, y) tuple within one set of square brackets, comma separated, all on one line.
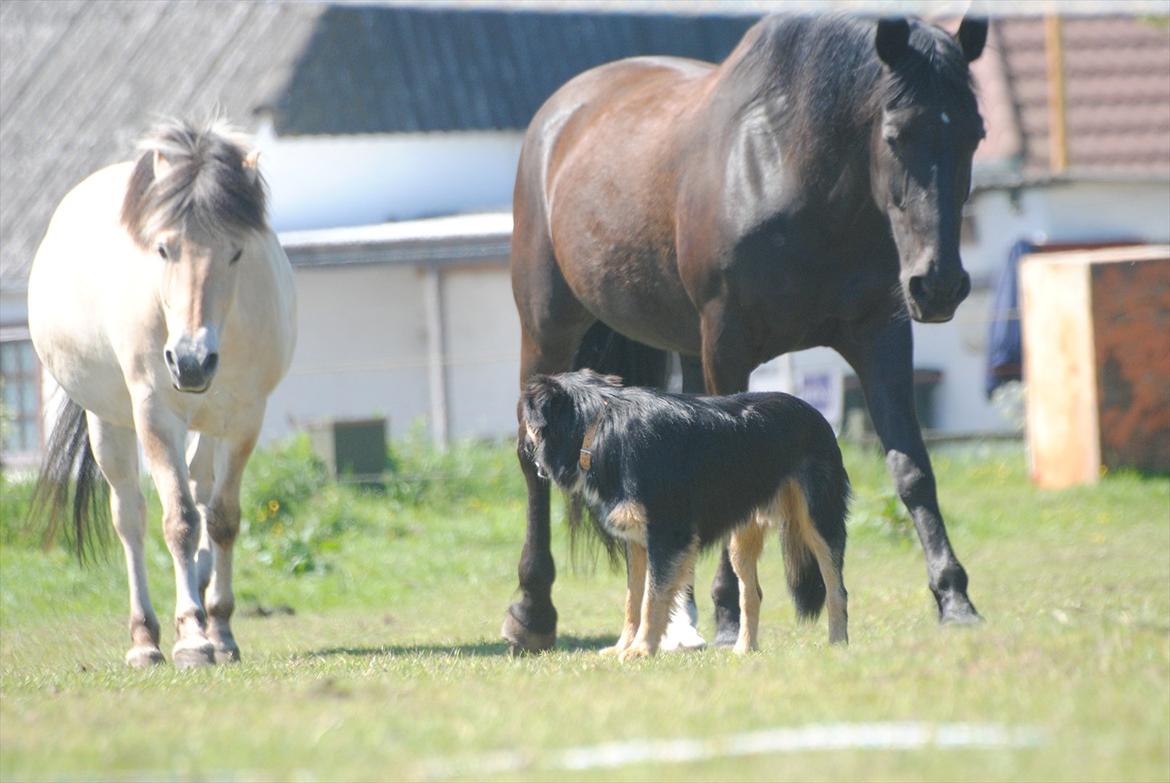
[(963, 288), (210, 363), (918, 288)]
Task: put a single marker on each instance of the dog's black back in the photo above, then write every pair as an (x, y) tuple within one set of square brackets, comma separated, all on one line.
[(700, 466)]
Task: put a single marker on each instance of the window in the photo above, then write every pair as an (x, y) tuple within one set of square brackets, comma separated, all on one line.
[(20, 376)]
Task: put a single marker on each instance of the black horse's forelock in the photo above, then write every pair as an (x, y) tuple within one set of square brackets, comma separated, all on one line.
[(208, 186), (934, 65)]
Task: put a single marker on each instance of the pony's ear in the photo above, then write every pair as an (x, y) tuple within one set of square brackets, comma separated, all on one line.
[(892, 39), (972, 37), (252, 165)]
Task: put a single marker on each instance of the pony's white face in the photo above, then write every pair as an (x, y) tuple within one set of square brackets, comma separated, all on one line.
[(197, 285), (196, 208)]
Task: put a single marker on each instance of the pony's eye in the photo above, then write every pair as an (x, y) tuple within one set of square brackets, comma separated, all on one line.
[(162, 252), (236, 257)]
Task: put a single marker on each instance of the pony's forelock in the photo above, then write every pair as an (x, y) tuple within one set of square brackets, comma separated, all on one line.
[(208, 186)]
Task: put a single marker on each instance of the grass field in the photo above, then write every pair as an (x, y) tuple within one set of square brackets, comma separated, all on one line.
[(390, 667)]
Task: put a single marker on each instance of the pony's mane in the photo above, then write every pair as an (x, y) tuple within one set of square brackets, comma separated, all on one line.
[(207, 185)]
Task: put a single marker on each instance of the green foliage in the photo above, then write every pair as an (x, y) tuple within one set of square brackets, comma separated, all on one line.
[(885, 513)]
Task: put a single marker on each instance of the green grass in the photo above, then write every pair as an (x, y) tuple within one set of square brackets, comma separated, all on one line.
[(391, 665)]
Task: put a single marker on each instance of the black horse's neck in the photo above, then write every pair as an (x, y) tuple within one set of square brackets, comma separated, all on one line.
[(802, 95)]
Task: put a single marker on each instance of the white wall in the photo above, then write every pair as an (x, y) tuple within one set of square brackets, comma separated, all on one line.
[(332, 181), (361, 350)]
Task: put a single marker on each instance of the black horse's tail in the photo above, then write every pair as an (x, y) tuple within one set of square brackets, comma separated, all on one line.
[(69, 464), (605, 351), (816, 503)]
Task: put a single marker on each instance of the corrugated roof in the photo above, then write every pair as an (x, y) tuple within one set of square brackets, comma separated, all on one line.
[(417, 70), (82, 80)]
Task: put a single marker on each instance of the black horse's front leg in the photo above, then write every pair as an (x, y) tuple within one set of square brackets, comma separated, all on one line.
[(530, 624), (885, 368), (725, 586)]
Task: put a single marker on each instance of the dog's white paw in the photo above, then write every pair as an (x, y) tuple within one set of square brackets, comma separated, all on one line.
[(681, 634)]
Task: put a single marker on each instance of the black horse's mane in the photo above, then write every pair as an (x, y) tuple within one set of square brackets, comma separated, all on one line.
[(827, 65)]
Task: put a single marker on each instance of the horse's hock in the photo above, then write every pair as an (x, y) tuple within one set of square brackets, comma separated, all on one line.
[(1096, 333)]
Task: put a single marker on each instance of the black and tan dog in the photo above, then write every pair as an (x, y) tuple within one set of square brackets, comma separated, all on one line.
[(672, 474)]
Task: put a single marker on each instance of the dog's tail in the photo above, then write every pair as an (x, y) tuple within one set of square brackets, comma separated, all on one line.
[(605, 351), (815, 502), (69, 464)]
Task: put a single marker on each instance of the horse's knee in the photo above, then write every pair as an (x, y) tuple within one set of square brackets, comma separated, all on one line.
[(913, 479), (181, 527), (223, 523)]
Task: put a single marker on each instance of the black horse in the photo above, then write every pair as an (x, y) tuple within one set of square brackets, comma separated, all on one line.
[(805, 192)]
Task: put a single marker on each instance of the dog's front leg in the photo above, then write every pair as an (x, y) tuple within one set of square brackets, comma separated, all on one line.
[(635, 588), (662, 582)]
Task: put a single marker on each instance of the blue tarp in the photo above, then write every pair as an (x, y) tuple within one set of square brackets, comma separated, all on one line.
[(1005, 352)]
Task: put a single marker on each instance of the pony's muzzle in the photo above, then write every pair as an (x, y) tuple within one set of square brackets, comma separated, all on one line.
[(191, 370)]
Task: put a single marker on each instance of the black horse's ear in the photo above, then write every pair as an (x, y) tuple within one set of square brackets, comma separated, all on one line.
[(892, 39), (972, 37)]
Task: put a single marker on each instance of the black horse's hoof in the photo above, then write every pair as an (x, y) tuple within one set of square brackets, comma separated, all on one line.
[(521, 639), (726, 626), (958, 610)]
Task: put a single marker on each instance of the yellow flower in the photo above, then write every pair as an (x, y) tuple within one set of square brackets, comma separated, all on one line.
[(273, 506)]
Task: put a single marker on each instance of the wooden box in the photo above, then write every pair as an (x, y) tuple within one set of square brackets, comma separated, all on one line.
[(1096, 340)]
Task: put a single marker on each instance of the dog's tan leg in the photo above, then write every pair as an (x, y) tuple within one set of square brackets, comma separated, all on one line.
[(635, 587), (661, 585), (746, 544), (836, 599)]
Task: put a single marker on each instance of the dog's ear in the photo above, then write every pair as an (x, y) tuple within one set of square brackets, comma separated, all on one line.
[(595, 377), (538, 398)]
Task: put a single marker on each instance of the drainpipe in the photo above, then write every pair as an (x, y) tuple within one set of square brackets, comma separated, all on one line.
[(436, 357), (1054, 56)]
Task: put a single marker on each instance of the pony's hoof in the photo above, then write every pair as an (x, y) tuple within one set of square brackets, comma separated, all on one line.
[(192, 655), (521, 640), (144, 657), (611, 652)]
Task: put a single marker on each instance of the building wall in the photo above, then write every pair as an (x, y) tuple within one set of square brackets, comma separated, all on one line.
[(361, 350), (327, 182)]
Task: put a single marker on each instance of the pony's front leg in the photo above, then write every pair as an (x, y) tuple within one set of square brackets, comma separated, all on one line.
[(163, 436), (223, 525), (116, 452)]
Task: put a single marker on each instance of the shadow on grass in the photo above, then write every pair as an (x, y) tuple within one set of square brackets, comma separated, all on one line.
[(470, 650)]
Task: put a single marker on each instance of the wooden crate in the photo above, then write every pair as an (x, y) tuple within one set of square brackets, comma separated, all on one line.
[(1096, 339)]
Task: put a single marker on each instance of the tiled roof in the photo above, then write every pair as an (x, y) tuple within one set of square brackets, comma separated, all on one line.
[(1117, 94)]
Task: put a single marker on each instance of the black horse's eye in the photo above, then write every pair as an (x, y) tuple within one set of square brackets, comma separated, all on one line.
[(236, 257), (162, 252)]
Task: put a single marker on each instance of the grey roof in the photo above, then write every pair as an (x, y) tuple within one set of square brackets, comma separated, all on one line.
[(81, 80), (404, 70)]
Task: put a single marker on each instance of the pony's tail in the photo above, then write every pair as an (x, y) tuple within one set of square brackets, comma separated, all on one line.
[(815, 503), (69, 464), (609, 353)]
